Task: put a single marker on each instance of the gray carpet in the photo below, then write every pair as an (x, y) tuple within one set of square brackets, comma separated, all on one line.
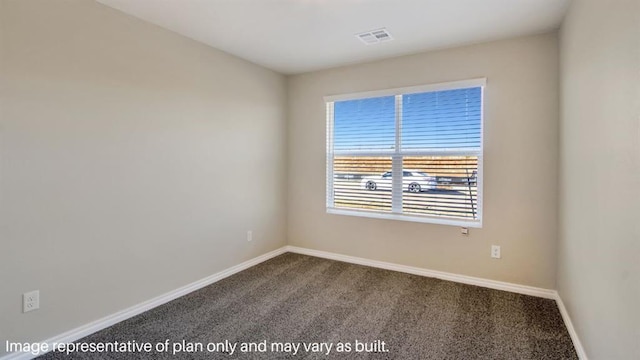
[(302, 299)]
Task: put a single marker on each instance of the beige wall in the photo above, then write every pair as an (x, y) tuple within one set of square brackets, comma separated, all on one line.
[(133, 161), (599, 246), (520, 167), (115, 172)]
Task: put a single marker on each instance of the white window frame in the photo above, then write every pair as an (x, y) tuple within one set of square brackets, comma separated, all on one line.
[(396, 212)]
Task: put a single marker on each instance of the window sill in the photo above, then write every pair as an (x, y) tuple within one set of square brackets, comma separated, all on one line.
[(411, 218)]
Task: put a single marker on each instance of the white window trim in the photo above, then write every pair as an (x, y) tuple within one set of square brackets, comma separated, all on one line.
[(452, 85), (403, 217), (396, 214)]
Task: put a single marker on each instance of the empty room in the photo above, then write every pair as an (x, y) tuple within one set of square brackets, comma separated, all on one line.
[(320, 179)]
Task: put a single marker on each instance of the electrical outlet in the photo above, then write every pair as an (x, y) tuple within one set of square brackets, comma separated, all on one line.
[(249, 235), (495, 251), (31, 301)]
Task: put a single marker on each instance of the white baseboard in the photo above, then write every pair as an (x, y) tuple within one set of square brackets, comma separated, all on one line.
[(492, 284), (572, 331), (92, 327), (470, 280), (82, 331)]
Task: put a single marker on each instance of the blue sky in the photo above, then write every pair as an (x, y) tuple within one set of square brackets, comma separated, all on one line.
[(448, 119)]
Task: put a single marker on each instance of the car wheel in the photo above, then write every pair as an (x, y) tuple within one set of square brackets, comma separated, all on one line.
[(371, 185), (414, 187)]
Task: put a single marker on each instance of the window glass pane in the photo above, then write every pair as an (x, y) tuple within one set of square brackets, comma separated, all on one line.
[(437, 151), (450, 188), (442, 120), (360, 183), (365, 124)]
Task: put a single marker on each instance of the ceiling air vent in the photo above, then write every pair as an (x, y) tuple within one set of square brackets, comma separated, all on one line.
[(374, 36)]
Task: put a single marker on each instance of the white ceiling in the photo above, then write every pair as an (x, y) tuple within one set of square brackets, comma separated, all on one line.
[(295, 36)]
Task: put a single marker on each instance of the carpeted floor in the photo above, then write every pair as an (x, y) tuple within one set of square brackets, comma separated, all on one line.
[(304, 300)]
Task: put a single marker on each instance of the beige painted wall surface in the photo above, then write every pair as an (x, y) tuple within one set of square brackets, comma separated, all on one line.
[(521, 143), (599, 245), (133, 161)]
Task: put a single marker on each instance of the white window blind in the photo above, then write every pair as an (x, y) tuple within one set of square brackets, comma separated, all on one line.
[(410, 154)]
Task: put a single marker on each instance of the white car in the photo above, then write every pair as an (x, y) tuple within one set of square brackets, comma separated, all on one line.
[(412, 181)]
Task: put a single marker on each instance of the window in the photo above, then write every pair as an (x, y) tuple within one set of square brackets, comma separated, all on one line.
[(409, 154)]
